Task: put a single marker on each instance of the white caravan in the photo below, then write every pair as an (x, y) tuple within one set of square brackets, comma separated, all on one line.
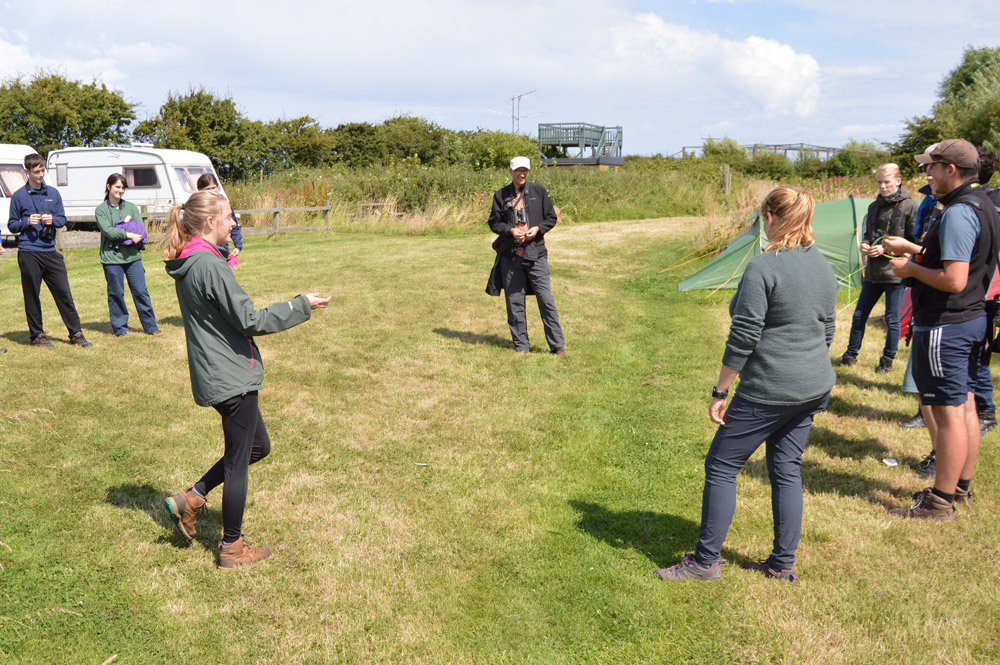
[(12, 177), (157, 179)]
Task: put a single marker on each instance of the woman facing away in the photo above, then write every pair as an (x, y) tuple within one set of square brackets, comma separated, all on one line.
[(121, 259), (226, 370), (782, 325)]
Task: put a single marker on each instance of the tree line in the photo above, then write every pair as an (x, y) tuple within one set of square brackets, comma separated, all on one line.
[(50, 111)]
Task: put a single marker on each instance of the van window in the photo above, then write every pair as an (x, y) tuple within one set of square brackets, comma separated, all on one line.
[(141, 176), (62, 175), (12, 178)]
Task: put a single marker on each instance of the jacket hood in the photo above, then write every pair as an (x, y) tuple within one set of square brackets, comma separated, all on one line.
[(193, 254)]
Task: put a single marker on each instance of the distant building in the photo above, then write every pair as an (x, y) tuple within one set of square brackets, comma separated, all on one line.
[(582, 144)]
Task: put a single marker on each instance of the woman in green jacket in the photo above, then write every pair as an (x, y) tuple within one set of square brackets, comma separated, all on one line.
[(122, 259), (226, 371)]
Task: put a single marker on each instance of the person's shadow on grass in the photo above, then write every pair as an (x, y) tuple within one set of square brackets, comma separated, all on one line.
[(468, 337), (817, 479), (843, 407), (837, 445), (661, 537), (847, 376), (149, 500)]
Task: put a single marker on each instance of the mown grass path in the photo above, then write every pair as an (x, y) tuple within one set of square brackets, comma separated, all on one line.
[(433, 497)]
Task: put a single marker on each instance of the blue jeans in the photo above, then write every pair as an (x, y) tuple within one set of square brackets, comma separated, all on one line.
[(984, 390), (785, 430), (870, 294), (135, 273)]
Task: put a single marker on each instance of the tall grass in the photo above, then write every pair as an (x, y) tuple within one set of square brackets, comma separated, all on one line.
[(409, 199)]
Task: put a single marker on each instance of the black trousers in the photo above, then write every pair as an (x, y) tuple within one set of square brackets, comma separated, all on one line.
[(246, 442), (49, 267)]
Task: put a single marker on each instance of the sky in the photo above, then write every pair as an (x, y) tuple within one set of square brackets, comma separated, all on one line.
[(671, 73)]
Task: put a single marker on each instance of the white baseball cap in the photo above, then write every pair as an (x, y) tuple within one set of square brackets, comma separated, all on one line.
[(520, 163)]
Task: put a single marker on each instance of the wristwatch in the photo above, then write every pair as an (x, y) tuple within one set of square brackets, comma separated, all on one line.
[(717, 394)]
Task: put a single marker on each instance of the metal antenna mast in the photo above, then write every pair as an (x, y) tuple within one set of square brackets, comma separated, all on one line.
[(518, 116)]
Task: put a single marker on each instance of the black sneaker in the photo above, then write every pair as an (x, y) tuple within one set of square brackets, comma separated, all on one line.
[(78, 339), (926, 467), (848, 360), (987, 421), (42, 341), (884, 365), (765, 569), (915, 422)]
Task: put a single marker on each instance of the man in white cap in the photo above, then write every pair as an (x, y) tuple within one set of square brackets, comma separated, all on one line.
[(521, 216), (951, 275)]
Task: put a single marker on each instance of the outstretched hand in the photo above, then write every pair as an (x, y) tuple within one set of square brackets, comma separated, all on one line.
[(316, 301)]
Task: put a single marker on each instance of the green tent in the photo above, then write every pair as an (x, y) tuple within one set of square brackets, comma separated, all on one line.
[(838, 227)]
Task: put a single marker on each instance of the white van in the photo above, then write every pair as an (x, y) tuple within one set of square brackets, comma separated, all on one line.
[(12, 177), (157, 179)]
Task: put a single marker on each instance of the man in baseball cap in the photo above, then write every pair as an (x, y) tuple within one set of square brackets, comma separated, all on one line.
[(951, 275), (959, 152), (522, 214)]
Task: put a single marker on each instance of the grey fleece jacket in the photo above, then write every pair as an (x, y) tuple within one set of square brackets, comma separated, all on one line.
[(219, 324), (783, 320)]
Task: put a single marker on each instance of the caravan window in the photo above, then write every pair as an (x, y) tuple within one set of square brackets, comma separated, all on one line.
[(188, 175), (12, 178), (141, 176)]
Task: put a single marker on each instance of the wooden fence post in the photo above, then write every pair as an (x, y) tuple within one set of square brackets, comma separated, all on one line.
[(727, 179), (326, 215), (276, 209)]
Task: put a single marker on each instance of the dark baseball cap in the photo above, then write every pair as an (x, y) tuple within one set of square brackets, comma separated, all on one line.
[(959, 152)]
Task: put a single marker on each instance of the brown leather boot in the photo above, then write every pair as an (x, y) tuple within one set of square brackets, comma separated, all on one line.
[(963, 496), (240, 553), (184, 507), (927, 505)]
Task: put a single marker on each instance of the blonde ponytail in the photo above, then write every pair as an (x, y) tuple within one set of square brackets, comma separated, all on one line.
[(188, 220)]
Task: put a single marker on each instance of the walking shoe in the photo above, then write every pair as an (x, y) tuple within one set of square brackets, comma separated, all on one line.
[(987, 420), (240, 553), (884, 365), (915, 422), (79, 340), (927, 505), (764, 568), (559, 352), (42, 340), (848, 360), (687, 569), (184, 507), (927, 467), (963, 497)]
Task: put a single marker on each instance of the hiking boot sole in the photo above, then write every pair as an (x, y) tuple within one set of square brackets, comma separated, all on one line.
[(176, 511)]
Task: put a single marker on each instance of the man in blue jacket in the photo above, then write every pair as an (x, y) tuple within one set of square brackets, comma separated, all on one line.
[(36, 211)]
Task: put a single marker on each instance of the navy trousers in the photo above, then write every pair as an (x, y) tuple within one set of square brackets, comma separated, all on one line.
[(784, 430)]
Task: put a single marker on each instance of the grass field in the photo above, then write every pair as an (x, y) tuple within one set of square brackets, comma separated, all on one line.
[(433, 497)]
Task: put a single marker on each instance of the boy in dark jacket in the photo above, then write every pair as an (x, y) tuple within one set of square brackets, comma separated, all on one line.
[(893, 213)]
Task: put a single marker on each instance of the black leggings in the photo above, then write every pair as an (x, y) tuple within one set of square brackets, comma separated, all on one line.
[(246, 442)]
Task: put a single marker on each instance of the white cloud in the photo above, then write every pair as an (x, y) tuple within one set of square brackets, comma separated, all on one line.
[(765, 71), (20, 60)]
